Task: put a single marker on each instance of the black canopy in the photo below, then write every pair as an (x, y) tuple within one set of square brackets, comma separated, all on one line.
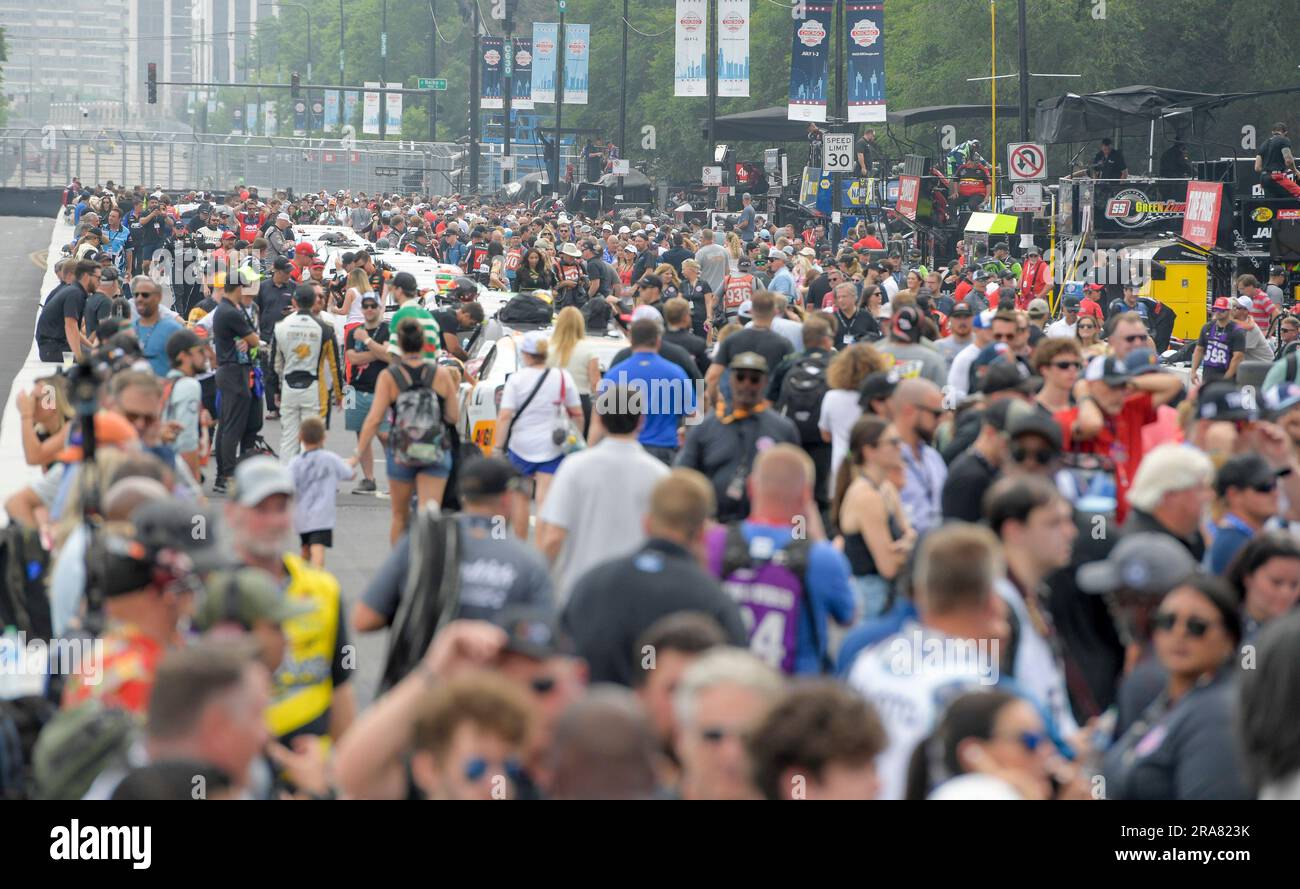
[(1076, 118), (934, 113), (634, 179)]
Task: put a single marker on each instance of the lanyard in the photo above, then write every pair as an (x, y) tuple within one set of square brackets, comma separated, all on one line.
[(918, 471)]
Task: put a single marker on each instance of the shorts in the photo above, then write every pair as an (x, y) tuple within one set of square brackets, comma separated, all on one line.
[(872, 593), (324, 538), (530, 469), (400, 473), (354, 416)]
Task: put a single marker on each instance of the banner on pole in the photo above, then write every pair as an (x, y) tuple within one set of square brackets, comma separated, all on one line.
[(331, 109), (1201, 222), (523, 76), (250, 118), (545, 37), (577, 56), (370, 110), (689, 75), (349, 106), (270, 119), (316, 110), (394, 108), (809, 62), (864, 24), (300, 116), (237, 120), (490, 95), (733, 47)]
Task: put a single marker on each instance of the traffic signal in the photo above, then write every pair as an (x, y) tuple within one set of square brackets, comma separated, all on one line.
[(153, 83), (293, 84)]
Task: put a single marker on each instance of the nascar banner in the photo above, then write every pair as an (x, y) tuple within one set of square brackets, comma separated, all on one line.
[(523, 75), (331, 109), (689, 75), (490, 95), (237, 120), (577, 57), (733, 47), (270, 119), (809, 63), (251, 118), (349, 106), (545, 37), (864, 23), (393, 107), (299, 116), (370, 110)]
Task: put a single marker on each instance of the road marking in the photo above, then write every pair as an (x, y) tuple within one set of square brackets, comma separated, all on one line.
[(40, 259)]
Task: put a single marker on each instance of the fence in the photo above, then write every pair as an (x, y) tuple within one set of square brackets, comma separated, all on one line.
[(51, 156)]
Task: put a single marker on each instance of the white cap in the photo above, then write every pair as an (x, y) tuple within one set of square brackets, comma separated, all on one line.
[(746, 309), (284, 216), (631, 248), (624, 230), (531, 343), (1245, 302), (641, 313)]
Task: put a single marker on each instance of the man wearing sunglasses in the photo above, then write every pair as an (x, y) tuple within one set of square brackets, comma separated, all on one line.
[(1247, 488), (1064, 327), (1220, 347), (1113, 405)]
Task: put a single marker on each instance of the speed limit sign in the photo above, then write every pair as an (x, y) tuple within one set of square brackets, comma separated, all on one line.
[(837, 153)]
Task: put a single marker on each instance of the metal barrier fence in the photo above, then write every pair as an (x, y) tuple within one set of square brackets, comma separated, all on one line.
[(51, 156)]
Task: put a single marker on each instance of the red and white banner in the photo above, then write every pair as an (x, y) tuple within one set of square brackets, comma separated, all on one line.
[(909, 192), (1201, 221)]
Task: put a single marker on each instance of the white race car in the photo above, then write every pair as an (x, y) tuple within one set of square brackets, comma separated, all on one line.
[(481, 401)]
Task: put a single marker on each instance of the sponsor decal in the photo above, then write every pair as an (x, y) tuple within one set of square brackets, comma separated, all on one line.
[(811, 33)]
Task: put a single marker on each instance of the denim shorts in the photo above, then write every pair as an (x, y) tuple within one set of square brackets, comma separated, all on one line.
[(871, 592), (400, 473), (530, 469)]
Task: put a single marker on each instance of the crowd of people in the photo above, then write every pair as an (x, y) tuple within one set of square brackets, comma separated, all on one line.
[(836, 523)]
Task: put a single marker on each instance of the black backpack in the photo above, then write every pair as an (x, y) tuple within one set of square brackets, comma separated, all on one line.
[(430, 594), (526, 309), (800, 398), (24, 564)]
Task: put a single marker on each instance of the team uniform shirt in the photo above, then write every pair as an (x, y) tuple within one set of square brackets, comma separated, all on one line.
[(911, 691), (432, 332), (736, 291), (1218, 346), (1120, 440), (315, 656), (304, 352)]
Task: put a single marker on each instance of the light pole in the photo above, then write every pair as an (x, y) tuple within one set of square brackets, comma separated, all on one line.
[(341, 80), (433, 69), (383, 74)]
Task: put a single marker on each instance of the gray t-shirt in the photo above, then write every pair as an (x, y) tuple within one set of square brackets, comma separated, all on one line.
[(1257, 347), (745, 224), (600, 527), (183, 407), (914, 359), (949, 346), (496, 570), (714, 262), (316, 476)]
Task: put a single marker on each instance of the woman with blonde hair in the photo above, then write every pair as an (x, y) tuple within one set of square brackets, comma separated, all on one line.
[(45, 412), (841, 405), (672, 282), (570, 349), (358, 284), (735, 249), (1088, 332)]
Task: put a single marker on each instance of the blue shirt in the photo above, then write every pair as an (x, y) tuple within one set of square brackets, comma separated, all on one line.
[(153, 342), (783, 282), (869, 632), (667, 390), (826, 586), (1229, 538)]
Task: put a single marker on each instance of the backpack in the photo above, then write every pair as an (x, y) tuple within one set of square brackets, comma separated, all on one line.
[(77, 746), (526, 309), (756, 581), (21, 722), (24, 564), (801, 394), (417, 438), (430, 596), (597, 315)]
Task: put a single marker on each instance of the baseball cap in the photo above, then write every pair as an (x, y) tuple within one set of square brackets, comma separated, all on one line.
[(746, 309), (1142, 361), (906, 324), (1281, 398), (111, 428), (108, 274), (1225, 401), (260, 477), (877, 387), (304, 248), (749, 361), (369, 297), (532, 343), (533, 631), (647, 313), (1026, 420), (980, 275), (807, 251), (1107, 369), (1221, 304), (281, 264), (984, 320), (961, 310), (1032, 250), (1245, 471), (650, 281), (1245, 302), (989, 354), (776, 253), (283, 217), (1148, 564), (1092, 285), (1006, 375), (184, 527), (1072, 303), (317, 263), (405, 281), (744, 263), (1037, 307), (181, 341), (1275, 270), (487, 476), (246, 597)]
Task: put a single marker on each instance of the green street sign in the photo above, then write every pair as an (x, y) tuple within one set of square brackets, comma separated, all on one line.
[(564, 4), (432, 83)]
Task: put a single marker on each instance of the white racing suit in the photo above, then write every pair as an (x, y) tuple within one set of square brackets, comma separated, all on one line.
[(306, 362)]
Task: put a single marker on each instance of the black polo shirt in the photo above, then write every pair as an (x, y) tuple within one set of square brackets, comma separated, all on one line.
[(229, 323), (771, 346), (862, 327), (68, 301), (694, 346), (1109, 167), (969, 476), (614, 603), (274, 304)]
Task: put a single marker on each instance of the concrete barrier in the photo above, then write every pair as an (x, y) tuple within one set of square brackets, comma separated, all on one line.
[(42, 202), (15, 474)]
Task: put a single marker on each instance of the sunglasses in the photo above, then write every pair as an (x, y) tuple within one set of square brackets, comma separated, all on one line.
[(1041, 456), (542, 685), (1136, 338), (1267, 487), (718, 734), (139, 419), (1066, 365), (935, 412), (1196, 627), (1087, 326), (1004, 337), (747, 376), (476, 768), (1031, 741)]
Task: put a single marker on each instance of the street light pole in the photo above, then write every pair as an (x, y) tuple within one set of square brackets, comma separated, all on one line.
[(383, 74), (475, 52), (559, 103), (341, 80), (622, 102), (508, 88), (711, 67), (433, 69)]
